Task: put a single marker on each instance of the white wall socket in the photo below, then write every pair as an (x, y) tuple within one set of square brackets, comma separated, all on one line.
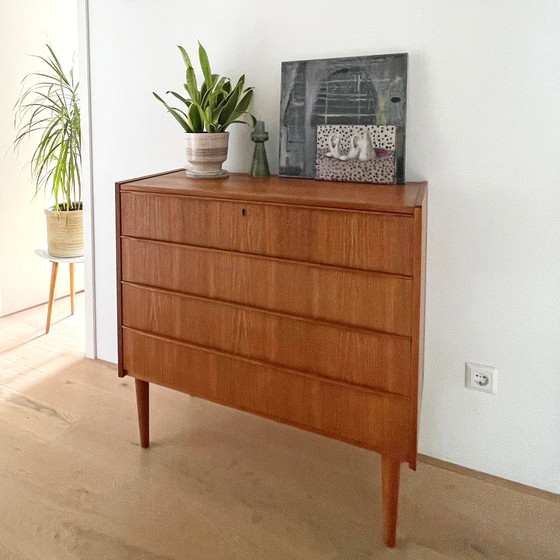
[(481, 378)]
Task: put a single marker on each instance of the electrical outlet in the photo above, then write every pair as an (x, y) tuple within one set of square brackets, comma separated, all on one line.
[(481, 378)]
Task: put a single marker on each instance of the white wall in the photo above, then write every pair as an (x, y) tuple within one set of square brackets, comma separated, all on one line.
[(483, 129), (25, 27)]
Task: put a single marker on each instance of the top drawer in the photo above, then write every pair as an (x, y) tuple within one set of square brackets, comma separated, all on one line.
[(356, 239)]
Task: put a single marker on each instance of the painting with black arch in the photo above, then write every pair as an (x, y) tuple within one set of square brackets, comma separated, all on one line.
[(344, 119)]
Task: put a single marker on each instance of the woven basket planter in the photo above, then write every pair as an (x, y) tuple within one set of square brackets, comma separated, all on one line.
[(65, 232)]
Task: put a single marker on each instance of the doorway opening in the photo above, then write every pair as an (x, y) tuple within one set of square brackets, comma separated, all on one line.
[(26, 276)]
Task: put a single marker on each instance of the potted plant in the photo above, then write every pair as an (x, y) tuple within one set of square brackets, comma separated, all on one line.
[(207, 113), (48, 113)]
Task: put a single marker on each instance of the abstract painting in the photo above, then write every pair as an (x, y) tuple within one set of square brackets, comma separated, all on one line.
[(366, 91)]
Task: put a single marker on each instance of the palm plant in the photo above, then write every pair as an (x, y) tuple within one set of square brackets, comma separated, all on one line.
[(50, 108), (213, 106)]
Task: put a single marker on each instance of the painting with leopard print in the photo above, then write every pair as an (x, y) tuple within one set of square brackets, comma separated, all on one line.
[(364, 154), (346, 94)]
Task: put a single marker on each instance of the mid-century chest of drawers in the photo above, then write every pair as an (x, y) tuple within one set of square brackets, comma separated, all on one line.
[(298, 300)]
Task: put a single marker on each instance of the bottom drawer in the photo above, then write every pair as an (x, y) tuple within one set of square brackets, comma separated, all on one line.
[(359, 416)]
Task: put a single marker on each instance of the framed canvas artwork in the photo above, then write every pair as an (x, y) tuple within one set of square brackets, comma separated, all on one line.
[(344, 118)]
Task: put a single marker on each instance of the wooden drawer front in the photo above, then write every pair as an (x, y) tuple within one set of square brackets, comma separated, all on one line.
[(357, 239), (332, 408), (373, 359), (374, 301)]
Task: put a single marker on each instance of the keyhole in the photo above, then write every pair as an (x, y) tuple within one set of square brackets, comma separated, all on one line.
[(244, 212)]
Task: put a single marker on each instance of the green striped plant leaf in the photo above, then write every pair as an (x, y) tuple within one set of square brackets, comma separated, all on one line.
[(47, 113), (216, 104)]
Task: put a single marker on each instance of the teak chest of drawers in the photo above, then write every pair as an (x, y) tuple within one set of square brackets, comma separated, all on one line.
[(294, 299)]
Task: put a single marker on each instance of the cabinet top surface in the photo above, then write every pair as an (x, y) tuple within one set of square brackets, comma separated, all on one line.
[(282, 190)]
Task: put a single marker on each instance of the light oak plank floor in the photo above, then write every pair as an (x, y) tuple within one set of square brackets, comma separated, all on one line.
[(216, 483)]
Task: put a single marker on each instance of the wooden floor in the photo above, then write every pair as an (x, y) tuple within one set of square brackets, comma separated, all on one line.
[(216, 483)]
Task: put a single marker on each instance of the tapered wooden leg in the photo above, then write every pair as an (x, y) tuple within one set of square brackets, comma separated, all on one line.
[(143, 405), (390, 470), (51, 295), (72, 288)]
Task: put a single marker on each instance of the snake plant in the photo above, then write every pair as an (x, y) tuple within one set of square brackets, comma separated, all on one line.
[(213, 106), (49, 111)]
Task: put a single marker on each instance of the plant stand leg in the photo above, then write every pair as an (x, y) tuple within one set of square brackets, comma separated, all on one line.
[(143, 405), (390, 470), (54, 272), (72, 302)]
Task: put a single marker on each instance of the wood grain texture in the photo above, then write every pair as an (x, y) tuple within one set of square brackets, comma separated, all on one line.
[(119, 256), (304, 192), (217, 482), (418, 320), (361, 357), (553, 497), (54, 272), (301, 305), (364, 240), (314, 291), (365, 418), (390, 474), (143, 408)]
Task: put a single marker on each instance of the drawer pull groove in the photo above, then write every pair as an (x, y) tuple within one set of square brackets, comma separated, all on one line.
[(261, 363)]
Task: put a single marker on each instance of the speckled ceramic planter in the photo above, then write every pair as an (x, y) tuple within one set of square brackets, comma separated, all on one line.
[(206, 152)]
